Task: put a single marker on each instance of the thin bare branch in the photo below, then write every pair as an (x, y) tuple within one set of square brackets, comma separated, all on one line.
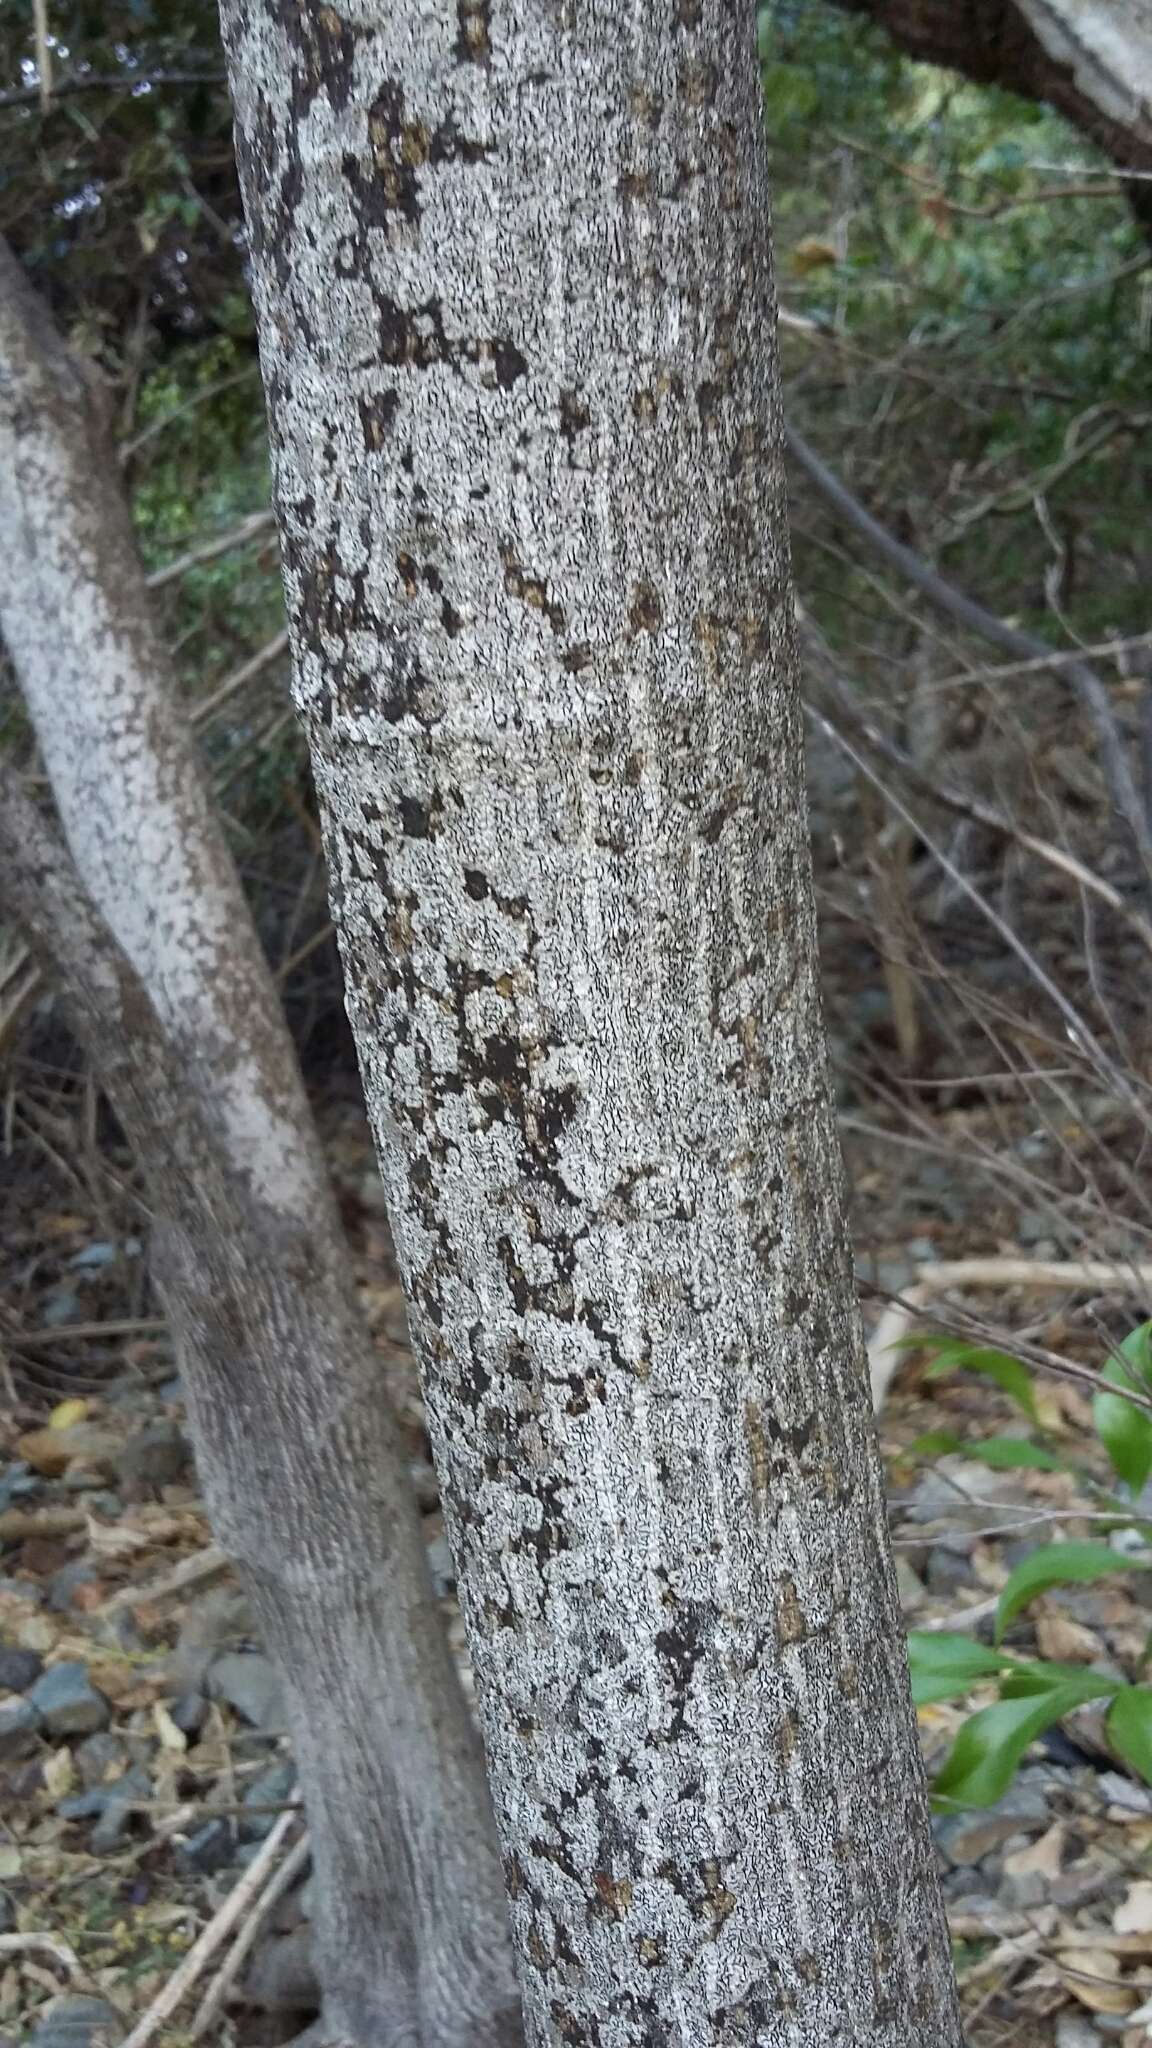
[(975, 617)]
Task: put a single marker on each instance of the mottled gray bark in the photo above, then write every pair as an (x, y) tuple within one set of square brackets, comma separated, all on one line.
[(512, 278), (143, 920)]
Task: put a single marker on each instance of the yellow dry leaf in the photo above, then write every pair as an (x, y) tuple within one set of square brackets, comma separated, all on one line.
[(1093, 1976), (812, 254), (1050, 1413), (11, 1861), (171, 1737), (66, 1413), (59, 1773)]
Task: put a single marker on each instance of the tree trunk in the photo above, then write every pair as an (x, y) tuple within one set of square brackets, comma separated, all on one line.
[(302, 1466), (1090, 59), (513, 287)]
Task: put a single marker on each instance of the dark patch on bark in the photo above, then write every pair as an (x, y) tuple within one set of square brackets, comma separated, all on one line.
[(531, 590), (645, 612), (448, 146), (473, 43), (574, 416), (377, 415)]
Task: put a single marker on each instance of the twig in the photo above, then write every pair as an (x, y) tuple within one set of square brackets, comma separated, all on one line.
[(43, 53), (207, 551), (247, 671), (239, 1901), (203, 1565), (964, 1617), (233, 1963), (16, 1526), (125, 81), (960, 801), (976, 619), (140, 440), (77, 1333), (51, 1944), (318, 938), (1066, 1276)]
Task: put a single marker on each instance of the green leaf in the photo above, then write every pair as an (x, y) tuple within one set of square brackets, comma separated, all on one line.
[(1012, 1378), (1029, 1679), (987, 1751), (1057, 1564), (935, 1443), (1005, 1453), (1129, 1728), (1001, 1453), (1125, 1430), (945, 1667)]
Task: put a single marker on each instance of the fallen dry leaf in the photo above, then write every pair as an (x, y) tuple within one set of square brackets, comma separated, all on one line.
[(171, 1737), (51, 1451), (1094, 1977), (1044, 1857), (59, 1773), (1134, 1913), (66, 1413), (1065, 1641)]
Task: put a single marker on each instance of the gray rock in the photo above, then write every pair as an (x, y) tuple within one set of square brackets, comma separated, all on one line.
[(75, 2022), (210, 1848), (20, 1725), (17, 1484), (23, 1589), (968, 1838), (63, 1585), (269, 1789), (7, 1913), (19, 1669), (948, 1570), (249, 1684), (84, 1479), (956, 1884), (98, 1755), (87, 1805), (116, 1817), (281, 1977), (69, 1702), (156, 1457), (189, 1712), (106, 1504), (218, 1621), (1024, 1889)]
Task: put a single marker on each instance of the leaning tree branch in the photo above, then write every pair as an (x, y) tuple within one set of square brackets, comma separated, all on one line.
[(962, 803), (117, 81), (976, 618)]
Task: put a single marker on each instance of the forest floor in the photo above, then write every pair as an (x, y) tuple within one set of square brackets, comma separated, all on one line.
[(148, 1816)]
